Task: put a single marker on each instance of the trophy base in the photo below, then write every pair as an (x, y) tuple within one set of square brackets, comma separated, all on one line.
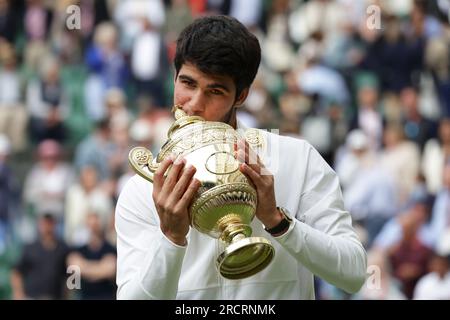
[(245, 258)]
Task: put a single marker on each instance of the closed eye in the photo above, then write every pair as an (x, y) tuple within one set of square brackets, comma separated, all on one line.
[(188, 83)]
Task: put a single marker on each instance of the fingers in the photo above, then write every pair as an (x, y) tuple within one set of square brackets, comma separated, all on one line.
[(173, 176), (252, 166), (158, 177), (178, 186), (182, 183), (254, 176), (189, 193), (248, 155)]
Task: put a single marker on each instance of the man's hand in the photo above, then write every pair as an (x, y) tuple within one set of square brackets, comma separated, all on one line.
[(172, 195), (263, 181)]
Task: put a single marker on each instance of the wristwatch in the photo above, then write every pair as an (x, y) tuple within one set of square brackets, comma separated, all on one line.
[(283, 225)]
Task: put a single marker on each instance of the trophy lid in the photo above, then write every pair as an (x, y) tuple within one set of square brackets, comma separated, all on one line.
[(182, 120)]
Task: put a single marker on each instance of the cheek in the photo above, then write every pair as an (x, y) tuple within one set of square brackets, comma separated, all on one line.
[(181, 95)]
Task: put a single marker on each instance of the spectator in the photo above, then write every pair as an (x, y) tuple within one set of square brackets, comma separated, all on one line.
[(117, 112), (95, 150), (417, 212), (47, 104), (440, 220), (83, 197), (149, 63), (369, 191), (37, 21), (9, 195), (178, 15), (40, 272), (129, 15), (97, 262), (436, 284), (435, 153), (437, 60), (410, 256), (368, 114), (416, 127), (47, 182), (401, 159), (8, 22), (107, 68), (13, 115), (380, 285)]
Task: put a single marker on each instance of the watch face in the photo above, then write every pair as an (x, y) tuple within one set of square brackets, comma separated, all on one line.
[(286, 213)]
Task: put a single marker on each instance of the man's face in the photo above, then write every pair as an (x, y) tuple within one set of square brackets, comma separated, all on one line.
[(211, 97)]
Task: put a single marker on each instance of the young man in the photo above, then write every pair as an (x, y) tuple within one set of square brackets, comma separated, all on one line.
[(160, 257)]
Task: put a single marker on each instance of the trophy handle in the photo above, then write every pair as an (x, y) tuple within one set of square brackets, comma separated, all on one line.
[(140, 159)]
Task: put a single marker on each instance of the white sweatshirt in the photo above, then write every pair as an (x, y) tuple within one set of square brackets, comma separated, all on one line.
[(321, 240)]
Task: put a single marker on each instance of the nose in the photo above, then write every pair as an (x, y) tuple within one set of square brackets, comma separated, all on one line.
[(196, 105)]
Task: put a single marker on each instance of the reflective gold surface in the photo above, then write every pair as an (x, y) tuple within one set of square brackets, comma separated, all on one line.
[(225, 204)]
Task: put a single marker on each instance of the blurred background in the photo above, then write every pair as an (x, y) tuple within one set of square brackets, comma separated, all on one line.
[(366, 82)]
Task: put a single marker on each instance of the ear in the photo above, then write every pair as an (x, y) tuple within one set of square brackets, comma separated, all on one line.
[(242, 96)]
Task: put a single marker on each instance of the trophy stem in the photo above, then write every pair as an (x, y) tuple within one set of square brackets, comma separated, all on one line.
[(238, 237), (232, 229)]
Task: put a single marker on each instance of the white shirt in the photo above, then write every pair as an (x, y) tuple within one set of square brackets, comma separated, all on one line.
[(247, 12), (128, 14), (432, 287), (149, 266), (145, 58), (9, 88)]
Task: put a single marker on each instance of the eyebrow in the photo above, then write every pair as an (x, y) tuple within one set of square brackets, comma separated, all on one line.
[(209, 86)]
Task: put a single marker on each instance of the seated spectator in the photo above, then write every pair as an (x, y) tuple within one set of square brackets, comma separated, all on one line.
[(410, 256), (401, 159), (36, 23), (128, 16), (380, 284), (97, 262), (47, 104), (149, 63), (416, 127), (418, 213), (369, 191), (9, 195), (13, 116), (40, 272), (83, 197), (95, 150), (9, 17), (107, 69), (440, 220), (47, 182), (436, 151), (116, 108), (368, 117), (436, 284)]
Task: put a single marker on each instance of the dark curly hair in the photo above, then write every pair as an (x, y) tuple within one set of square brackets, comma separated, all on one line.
[(220, 45)]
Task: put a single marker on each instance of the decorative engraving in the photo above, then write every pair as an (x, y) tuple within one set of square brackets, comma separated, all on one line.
[(221, 163)]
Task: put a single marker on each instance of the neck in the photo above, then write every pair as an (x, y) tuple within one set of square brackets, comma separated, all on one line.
[(95, 241), (48, 241)]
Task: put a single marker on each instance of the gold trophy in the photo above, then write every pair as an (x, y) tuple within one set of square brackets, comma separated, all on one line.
[(225, 203)]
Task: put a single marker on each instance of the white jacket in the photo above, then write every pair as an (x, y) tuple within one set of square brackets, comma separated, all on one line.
[(321, 240)]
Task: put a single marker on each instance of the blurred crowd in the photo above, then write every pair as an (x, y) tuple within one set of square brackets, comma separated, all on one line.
[(366, 82)]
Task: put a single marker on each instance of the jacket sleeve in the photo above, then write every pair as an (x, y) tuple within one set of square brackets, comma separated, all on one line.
[(148, 264), (325, 242)]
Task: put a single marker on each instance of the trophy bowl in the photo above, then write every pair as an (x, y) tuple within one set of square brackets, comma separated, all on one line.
[(225, 203)]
